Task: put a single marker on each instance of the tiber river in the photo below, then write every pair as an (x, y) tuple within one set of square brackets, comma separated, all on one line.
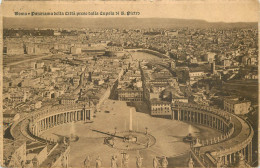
[(143, 56)]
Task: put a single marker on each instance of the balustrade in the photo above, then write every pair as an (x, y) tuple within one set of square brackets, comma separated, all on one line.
[(220, 120)]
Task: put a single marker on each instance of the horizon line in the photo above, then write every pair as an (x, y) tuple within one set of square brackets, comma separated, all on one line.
[(82, 17)]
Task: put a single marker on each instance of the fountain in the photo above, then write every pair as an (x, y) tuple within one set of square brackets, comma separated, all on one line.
[(189, 137), (129, 139), (73, 137)]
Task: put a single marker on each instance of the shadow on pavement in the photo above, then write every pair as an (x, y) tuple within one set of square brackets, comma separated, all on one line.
[(139, 106)]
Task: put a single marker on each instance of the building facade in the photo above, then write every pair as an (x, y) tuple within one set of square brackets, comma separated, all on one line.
[(236, 106)]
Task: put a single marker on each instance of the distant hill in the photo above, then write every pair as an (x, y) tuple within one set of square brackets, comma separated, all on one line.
[(78, 22)]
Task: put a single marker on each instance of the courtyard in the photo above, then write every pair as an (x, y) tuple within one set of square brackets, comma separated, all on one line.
[(114, 117)]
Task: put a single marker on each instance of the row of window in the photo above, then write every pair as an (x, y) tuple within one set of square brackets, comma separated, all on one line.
[(126, 99), (154, 109), (160, 112), (130, 96)]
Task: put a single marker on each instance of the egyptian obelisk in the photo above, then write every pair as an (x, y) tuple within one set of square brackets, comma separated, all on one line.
[(131, 119)]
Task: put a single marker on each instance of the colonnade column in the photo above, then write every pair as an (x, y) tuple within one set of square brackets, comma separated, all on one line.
[(46, 126), (33, 128), (214, 122), (235, 159), (223, 127), (37, 129), (40, 122), (249, 152), (88, 111), (230, 161), (36, 133), (64, 117), (84, 115), (181, 116), (58, 119), (217, 124)]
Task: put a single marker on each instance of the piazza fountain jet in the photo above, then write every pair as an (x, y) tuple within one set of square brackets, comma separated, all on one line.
[(73, 137)]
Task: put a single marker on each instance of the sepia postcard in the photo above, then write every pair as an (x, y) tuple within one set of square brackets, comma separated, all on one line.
[(129, 84)]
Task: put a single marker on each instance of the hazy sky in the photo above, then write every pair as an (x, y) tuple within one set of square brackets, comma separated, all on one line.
[(209, 10)]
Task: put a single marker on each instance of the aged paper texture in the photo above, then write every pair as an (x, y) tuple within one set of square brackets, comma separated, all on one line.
[(146, 84)]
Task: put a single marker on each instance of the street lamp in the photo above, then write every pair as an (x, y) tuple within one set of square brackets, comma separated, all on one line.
[(146, 130), (115, 130)]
